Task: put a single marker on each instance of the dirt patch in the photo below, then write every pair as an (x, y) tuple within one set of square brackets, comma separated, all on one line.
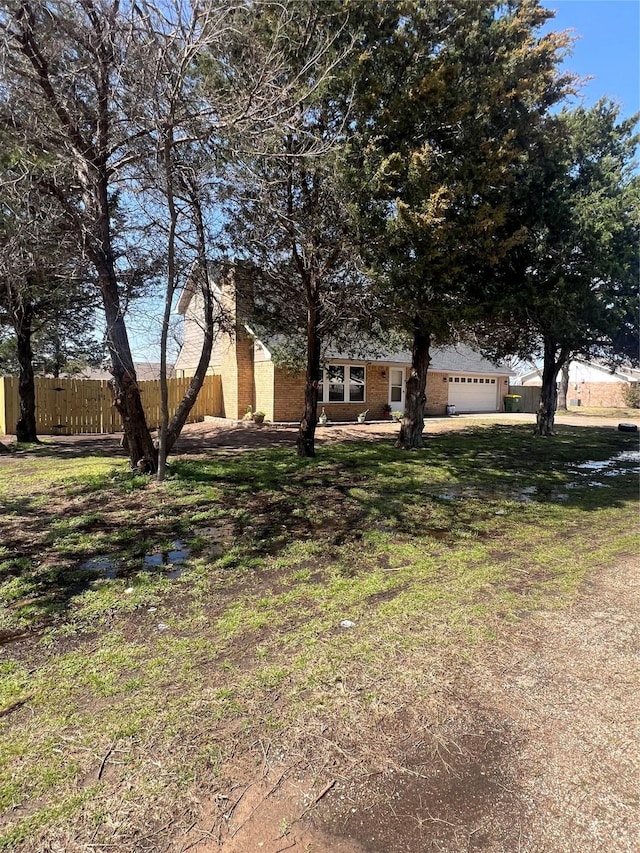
[(452, 795), (536, 752), (570, 681)]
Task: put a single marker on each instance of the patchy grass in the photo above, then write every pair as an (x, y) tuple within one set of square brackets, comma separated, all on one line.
[(123, 691), (619, 412)]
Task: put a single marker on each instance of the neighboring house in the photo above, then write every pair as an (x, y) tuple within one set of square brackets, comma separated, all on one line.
[(145, 370), (457, 376), (591, 383)]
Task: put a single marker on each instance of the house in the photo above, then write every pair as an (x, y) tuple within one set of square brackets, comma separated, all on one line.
[(591, 383), (145, 371), (251, 376)]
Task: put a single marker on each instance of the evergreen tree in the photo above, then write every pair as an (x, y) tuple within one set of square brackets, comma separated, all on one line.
[(449, 97), (577, 269)]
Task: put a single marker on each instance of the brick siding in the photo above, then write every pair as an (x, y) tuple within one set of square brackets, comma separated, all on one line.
[(263, 383), (288, 401), (607, 395), (289, 396), (437, 393)]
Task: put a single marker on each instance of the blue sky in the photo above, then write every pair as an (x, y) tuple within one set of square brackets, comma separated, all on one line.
[(607, 47)]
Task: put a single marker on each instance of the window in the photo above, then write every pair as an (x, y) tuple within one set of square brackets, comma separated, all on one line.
[(340, 383), (397, 385), (356, 384), (335, 375)]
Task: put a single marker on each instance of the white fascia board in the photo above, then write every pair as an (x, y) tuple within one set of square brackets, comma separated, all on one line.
[(257, 342)]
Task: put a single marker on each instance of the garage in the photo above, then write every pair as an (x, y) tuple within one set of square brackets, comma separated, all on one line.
[(473, 393)]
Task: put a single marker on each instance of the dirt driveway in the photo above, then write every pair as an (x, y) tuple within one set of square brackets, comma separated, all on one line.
[(241, 435), (537, 750)]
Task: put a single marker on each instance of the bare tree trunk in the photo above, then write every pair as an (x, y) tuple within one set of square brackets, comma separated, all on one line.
[(167, 150), (124, 385), (86, 143), (545, 418), (26, 424), (564, 386), (126, 393), (57, 361), (191, 395), (188, 401), (410, 437), (307, 430)]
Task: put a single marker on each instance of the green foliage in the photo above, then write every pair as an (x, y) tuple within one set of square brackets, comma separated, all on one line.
[(577, 268), (66, 347), (448, 107), (632, 397)]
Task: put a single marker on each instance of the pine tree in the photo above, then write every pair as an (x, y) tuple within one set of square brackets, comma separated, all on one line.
[(449, 97)]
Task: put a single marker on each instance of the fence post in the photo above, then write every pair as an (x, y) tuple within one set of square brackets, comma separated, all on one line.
[(3, 410)]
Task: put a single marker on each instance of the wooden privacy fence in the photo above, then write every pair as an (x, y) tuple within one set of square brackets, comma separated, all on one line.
[(71, 406), (529, 397)]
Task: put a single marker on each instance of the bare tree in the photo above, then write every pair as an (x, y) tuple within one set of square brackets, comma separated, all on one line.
[(40, 275), (288, 212), (119, 107), (70, 59), (176, 121)]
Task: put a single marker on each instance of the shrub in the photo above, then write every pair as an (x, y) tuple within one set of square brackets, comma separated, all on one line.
[(632, 397)]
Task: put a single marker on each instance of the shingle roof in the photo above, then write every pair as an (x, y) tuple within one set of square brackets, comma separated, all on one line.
[(145, 370), (454, 359)]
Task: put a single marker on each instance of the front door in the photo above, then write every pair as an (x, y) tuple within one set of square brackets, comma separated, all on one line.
[(396, 389)]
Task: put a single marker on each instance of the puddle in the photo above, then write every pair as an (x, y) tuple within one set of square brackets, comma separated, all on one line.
[(173, 561), (611, 467), (104, 566), (526, 495)]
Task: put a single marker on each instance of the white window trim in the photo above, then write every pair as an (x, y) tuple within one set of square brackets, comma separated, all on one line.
[(325, 385)]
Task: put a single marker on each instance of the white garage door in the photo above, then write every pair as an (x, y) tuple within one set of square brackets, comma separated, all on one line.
[(473, 393)]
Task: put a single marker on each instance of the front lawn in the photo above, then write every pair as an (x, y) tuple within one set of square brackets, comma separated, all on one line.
[(153, 634)]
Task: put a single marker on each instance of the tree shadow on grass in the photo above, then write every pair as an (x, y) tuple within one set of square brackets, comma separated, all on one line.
[(462, 485), (469, 485), (71, 446)]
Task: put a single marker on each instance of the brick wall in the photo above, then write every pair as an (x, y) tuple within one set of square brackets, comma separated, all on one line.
[(233, 354), (263, 377), (229, 373), (244, 361), (288, 395), (599, 394), (437, 393), (377, 391)]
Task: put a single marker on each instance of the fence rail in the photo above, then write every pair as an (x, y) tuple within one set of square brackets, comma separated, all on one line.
[(72, 406)]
